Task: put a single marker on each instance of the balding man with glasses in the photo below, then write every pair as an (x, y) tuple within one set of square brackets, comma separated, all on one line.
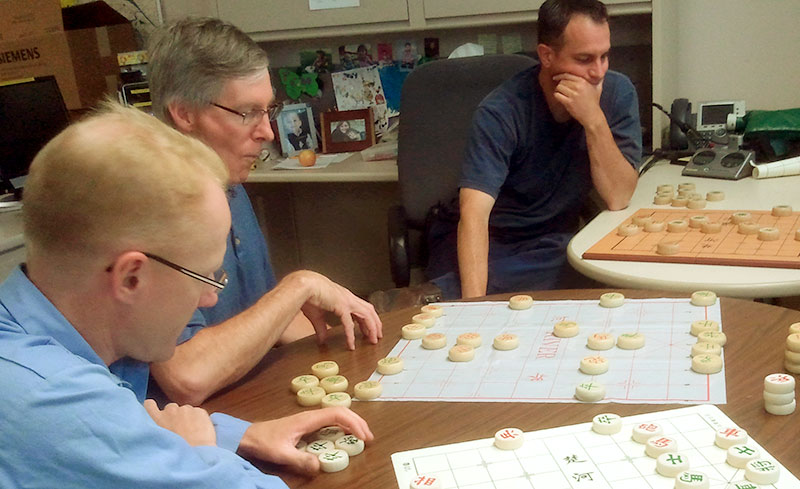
[(211, 81)]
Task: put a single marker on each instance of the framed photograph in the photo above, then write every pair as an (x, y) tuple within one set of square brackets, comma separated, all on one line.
[(347, 130), (296, 129)]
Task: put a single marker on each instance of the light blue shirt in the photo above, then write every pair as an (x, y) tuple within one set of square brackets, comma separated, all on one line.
[(66, 421)]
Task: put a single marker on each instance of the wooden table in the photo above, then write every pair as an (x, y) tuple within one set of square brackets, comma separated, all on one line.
[(756, 335)]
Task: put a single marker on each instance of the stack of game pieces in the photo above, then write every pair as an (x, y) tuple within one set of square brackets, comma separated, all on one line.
[(779, 394), (792, 357)]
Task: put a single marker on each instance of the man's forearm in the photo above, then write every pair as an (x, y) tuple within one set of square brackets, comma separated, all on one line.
[(473, 257), (613, 176)]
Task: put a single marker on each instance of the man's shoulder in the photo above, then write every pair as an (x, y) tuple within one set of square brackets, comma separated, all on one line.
[(517, 89), (617, 81)]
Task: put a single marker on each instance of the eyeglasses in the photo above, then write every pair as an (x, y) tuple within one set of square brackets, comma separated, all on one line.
[(219, 281), (255, 116)]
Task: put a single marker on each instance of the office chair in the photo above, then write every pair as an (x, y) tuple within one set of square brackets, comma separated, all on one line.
[(438, 100)]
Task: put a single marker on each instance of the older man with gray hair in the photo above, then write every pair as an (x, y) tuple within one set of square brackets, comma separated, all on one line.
[(211, 81)]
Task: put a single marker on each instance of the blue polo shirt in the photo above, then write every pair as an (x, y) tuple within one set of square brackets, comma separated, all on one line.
[(66, 421)]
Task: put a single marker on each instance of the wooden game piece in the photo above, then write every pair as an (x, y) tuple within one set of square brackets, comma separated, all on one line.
[(662, 199), (628, 230), (707, 363), (607, 424), (644, 431), (782, 210), (509, 439), (710, 227), (424, 318), (641, 220), (779, 383), (612, 299), (368, 389), (331, 433), (706, 347), (665, 188), (797, 235), (677, 226), (310, 396), (671, 464), (594, 365), (727, 437), (630, 341), (350, 444), (600, 341), (769, 234), (703, 325), (748, 227), (505, 342), (413, 331), (778, 399), (320, 446), (715, 196), (334, 383), (794, 328), (686, 186), (793, 342), (695, 222), (668, 247), (692, 479), (590, 392), (703, 298), (657, 445), (742, 216), (762, 472), (696, 202), (325, 368), (333, 461), (520, 302), (334, 399), (461, 353), (565, 329), (469, 339), (434, 341), (433, 310), (301, 445), (426, 482), (304, 381), (717, 337), (655, 226), (679, 202), (739, 455), (391, 365)]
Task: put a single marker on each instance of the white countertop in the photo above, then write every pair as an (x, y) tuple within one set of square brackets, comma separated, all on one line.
[(732, 281)]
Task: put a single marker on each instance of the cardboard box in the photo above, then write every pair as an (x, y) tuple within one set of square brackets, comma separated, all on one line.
[(84, 60), (29, 18)]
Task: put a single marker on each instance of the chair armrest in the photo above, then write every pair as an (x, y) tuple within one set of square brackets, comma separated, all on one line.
[(398, 246)]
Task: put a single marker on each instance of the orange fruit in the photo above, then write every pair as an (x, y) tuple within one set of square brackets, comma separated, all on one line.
[(307, 157)]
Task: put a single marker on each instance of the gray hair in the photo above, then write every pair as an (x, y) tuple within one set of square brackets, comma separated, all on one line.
[(192, 59)]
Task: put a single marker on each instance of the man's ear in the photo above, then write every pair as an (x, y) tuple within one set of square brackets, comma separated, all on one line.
[(546, 54), (183, 116), (126, 276)]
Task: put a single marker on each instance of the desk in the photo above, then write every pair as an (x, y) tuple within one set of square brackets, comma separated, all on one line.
[(331, 220), (265, 394), (745, 282)]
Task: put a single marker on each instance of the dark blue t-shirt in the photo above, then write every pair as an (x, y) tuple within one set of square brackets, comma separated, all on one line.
[(536, 168)]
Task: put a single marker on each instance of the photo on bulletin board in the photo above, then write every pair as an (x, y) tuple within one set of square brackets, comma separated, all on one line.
[(347, 130), (406, 53), (296, 127)]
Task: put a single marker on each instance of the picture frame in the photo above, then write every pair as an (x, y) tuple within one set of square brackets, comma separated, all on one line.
[(347, 130), (296, 129)]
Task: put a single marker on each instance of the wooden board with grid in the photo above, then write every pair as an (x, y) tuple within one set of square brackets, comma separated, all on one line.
[(727, 247)]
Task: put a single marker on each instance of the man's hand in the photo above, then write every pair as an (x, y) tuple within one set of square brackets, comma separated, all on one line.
[(580, 98), (275, 440), (190, 423), (327, 296)]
